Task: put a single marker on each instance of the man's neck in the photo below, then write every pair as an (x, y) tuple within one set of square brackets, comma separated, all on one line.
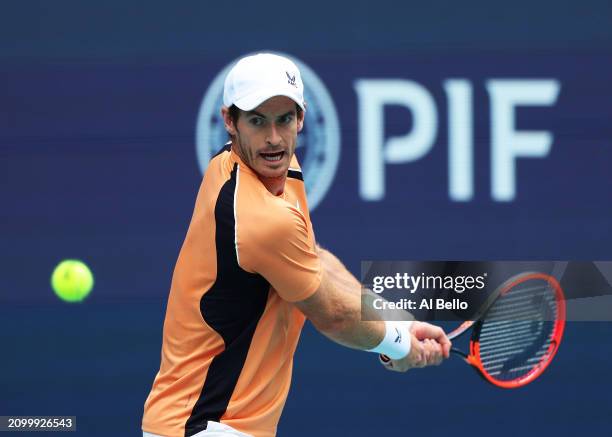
[(276, 185)]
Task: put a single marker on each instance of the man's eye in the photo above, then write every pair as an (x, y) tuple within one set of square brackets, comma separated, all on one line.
[(256, 121), (286, 119)]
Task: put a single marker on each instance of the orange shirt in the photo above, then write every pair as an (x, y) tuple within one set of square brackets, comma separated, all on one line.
[(231, 329)]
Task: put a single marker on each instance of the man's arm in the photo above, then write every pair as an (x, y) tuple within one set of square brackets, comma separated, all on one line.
[(322, 288), (335, 310)]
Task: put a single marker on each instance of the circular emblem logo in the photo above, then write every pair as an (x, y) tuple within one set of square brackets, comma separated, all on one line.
[(318, 147)]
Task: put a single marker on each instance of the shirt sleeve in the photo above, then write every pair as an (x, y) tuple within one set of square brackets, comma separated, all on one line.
[(283, 252)]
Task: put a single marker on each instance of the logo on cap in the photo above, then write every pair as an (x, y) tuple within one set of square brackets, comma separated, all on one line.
[(291, 79), (318, 148)]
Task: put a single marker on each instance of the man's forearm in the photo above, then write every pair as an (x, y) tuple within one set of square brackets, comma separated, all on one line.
[(346, 282), (342, 278), (335, 310), (350, 330)]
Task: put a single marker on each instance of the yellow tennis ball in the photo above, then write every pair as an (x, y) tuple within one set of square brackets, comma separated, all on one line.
[(72, 280)]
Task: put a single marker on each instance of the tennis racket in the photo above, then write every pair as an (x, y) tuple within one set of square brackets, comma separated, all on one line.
[(516, 332)]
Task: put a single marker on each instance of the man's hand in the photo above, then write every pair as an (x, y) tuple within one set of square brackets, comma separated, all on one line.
[(429, 346)]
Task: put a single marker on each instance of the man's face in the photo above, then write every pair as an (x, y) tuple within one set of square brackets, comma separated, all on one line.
[(266, 137)]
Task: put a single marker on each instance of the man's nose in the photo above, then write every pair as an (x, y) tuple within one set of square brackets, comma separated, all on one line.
[(273, 138)]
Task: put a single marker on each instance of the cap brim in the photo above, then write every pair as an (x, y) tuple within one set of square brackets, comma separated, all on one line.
[(250, 102)]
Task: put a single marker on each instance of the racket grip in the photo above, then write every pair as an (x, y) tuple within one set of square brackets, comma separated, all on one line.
[(459, 352)]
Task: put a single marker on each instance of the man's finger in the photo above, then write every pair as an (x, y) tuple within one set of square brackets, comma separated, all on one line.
[(427, 331), (435, 352)]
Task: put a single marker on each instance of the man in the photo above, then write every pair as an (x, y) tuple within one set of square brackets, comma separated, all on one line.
[(249, 274)]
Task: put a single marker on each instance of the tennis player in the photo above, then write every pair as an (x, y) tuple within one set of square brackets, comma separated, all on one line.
[(250, 272)]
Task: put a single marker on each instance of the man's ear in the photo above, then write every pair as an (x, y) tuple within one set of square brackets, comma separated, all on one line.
[(300, 119), (227, 121)]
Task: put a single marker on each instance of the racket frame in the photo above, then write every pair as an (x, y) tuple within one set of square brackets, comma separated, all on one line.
[(473, 358)]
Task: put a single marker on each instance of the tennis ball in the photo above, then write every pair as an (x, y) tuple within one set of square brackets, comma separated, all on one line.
[(72, 280)]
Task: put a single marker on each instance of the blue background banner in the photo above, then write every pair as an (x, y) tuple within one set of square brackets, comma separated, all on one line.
[(99, 112)]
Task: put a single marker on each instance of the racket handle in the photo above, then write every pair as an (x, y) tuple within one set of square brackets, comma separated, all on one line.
[(459, 352)]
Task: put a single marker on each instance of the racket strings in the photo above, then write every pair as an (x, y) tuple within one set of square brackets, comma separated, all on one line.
[(516, 334)]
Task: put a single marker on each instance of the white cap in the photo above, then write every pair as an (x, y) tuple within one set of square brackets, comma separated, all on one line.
[(254, 79)]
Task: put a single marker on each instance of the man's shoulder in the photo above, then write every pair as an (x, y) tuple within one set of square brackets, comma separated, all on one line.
[(269, 222), (265, 214)]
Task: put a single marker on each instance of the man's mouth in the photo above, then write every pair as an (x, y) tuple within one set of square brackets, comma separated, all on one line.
[(272, 156)]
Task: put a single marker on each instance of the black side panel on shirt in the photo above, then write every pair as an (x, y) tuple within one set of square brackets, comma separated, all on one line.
[(226, 148), (232, 307), (295, 174)]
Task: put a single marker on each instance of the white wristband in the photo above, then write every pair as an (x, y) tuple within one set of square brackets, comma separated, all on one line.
[(397, 341)]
